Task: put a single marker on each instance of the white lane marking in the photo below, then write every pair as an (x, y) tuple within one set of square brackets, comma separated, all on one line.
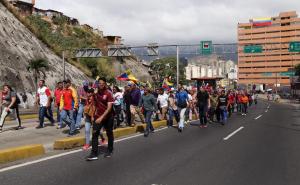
[(230, 135), (67, 153), (258, 117)]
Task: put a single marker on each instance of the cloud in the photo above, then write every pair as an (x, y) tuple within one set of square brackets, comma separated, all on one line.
[(169, 21)]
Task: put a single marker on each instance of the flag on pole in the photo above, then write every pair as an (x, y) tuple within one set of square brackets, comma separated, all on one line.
[(167, 84), (127, 76)]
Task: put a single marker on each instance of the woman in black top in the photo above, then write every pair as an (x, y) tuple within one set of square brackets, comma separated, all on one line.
[(9, 104)]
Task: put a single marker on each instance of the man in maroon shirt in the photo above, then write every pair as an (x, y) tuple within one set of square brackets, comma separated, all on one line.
[(103, 117)]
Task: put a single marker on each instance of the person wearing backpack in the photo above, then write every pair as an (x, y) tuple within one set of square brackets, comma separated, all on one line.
[(182, 103), (203, 104), (9, 103)]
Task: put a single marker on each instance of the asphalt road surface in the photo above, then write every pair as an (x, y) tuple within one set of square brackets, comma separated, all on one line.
[(259, 149)]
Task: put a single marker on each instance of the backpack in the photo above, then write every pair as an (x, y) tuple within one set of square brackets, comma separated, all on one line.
[(18, 100), (181, 103)]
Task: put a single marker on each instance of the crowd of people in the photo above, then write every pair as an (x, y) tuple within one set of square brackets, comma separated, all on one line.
[(102, 107)]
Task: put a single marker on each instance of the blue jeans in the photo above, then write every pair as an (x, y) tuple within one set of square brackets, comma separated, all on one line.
[(45, 112), (148, 116), (67, 116), (79, 115), (223, 113), (172, 113), (87, 131)]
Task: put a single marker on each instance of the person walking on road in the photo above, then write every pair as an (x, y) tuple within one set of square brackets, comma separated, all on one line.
[(127, 101), (213, 98), (82, 97), (103, 118), (223, 105), (118, 96), (44, 100), (134, 109), (182, 103), (67, 109), (203, 106), (57, 95), (162, 99), (172, 109), (244, 101), (148, 102), (9, 105)]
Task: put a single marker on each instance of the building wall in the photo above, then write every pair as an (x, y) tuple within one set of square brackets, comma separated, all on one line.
[(275, 57)]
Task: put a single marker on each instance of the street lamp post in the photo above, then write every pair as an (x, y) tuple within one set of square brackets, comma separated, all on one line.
[(64, 65), (177, 58)]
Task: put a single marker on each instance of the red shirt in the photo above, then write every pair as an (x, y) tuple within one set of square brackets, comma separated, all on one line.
[(68, 97), (102, 98), (231, 98), (57, 95)]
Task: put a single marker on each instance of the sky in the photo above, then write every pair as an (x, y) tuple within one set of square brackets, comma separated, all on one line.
[(169, 21)]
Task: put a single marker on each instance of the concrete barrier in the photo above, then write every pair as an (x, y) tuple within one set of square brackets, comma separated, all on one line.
[(22, 152), (73, 142), (68, 143)]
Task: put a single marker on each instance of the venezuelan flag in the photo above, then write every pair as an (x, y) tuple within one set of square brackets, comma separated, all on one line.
[(123, 77), (166, 84), (127, 76), (266, 21)]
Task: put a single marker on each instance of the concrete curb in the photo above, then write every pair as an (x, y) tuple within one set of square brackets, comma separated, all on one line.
[(28, 116), (22, 152), (69, 143)]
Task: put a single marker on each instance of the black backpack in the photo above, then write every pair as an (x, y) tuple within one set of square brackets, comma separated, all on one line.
[(18, 101)]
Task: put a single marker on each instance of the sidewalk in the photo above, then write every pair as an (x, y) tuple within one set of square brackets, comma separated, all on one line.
[(292, 102), (30, 135)]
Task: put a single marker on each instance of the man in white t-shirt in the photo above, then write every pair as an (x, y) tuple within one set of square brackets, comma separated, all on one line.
[(162, 99), (44, 101)]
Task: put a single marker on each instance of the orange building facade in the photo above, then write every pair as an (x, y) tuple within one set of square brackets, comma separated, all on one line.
[(266, 67)]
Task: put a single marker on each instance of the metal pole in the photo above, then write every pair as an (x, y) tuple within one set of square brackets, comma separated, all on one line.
[(64, 65), (177, 58), (276, 83)]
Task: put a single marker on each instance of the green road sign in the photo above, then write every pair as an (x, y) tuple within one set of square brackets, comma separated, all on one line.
[(294, 47), (287, 74), (253, 49), (267, 74), (206, 47)]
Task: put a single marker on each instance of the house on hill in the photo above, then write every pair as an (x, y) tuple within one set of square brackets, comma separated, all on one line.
[(114, 40), (25, 8)]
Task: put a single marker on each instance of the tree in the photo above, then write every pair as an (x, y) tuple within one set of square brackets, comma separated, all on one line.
[(167, 67), (38, 67)]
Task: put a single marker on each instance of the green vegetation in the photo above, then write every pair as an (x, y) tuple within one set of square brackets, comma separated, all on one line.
[(59, 36), (297, 70), (38, 67), (167, 67)]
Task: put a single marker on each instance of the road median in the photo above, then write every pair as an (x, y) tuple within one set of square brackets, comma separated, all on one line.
[(22, 152), (74, 142)]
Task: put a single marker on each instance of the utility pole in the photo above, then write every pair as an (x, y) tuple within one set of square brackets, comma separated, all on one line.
[(177, 58), (276, 83)]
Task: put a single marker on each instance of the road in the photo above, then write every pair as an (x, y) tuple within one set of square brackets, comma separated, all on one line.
[(259, 149)]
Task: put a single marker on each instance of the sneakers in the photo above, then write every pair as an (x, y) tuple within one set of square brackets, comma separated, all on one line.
[(146, 134), (204, 126), (180, 129), (201, 126), (1, 130), (39, 127), (102, 142), (108, 155), (92, 157), (86, 147), (19, 128)]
